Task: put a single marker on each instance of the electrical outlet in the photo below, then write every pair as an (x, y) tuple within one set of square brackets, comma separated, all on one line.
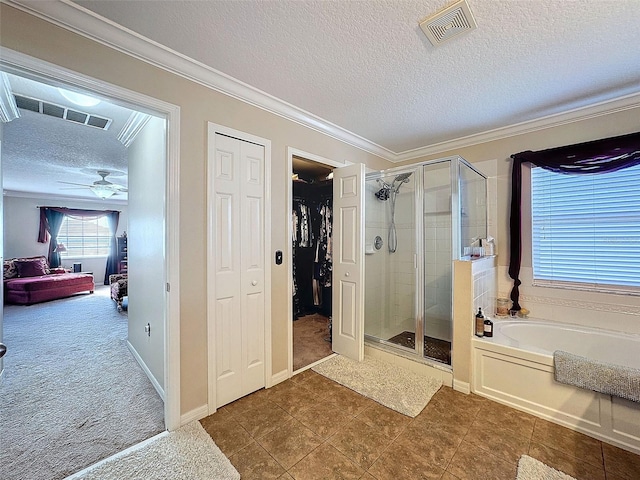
[(147, 329)]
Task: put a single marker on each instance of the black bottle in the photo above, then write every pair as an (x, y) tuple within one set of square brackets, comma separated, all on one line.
[(488, 328), (479, 323)]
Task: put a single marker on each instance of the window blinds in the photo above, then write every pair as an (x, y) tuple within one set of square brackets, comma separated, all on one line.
[(88, 236), (586, 230)]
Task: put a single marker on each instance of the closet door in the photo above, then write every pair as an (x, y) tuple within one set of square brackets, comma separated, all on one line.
[(252, 265), (239, 268)]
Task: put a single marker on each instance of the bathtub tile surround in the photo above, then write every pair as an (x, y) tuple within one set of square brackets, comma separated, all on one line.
[(454, 438), (590, 309), (474, 287)]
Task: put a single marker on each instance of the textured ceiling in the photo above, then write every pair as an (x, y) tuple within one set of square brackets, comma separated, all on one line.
[(363, 65), (367, 67), (40, 151)]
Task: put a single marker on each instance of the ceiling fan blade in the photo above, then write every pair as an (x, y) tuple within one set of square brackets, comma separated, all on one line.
[(72, 183)]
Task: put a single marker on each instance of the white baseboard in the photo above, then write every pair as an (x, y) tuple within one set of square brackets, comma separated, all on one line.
[(463, 387), (279, 377), (195, 414), (146, 370)]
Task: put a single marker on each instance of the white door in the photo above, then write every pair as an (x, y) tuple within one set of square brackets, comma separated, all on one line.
[(238, 252), (348, 262)]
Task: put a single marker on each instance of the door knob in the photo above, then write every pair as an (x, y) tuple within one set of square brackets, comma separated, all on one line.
[(346, 274), (254, 282)]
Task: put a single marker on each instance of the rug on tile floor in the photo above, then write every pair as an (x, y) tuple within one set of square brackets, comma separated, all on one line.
[(390, 385), (188, 453), (531, 469)]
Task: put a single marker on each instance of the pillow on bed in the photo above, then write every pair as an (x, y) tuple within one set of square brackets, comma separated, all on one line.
[(9, 270), (30, 268)]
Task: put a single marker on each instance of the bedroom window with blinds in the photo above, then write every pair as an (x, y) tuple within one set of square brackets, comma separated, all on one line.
[(85, 236), (586, 230)]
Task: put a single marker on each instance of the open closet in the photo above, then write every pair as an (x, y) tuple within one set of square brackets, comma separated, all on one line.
[(312, 225)]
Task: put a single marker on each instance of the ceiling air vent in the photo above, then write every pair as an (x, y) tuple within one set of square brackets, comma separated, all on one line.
[(449, 23), (58, 111)]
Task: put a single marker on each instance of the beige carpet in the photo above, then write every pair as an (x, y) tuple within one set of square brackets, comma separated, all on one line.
[(186, 454), (390, 385), (73, 393), (531, 469)]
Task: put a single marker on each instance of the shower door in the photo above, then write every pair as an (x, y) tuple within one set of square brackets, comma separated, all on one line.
[(391, 268), (439, 238)]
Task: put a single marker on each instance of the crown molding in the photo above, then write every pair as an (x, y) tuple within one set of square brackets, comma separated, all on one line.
[(68, 198), (82, 21), (595, 110)]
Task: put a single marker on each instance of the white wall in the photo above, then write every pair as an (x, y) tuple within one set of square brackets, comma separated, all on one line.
[(145, 244), (22, 221)]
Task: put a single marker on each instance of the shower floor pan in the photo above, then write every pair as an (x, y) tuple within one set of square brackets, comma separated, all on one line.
[(435, 348)]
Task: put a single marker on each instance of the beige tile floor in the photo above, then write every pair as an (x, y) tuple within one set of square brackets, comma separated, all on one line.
[(309, 427)]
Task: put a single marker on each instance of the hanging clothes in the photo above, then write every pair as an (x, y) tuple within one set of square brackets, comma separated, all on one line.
[(311, 243)]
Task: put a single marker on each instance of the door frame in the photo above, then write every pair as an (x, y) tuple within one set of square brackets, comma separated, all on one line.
[(212, 129), (294, 152), (25, 65)]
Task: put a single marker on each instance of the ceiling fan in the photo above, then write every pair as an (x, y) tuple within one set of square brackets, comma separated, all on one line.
[(102, 188)]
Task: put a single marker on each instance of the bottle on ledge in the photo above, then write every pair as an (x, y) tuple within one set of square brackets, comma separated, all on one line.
[(479, 323)]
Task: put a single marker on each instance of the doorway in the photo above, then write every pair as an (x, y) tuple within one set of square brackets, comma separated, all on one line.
[(311, 259), (168, 363), (311, 303)]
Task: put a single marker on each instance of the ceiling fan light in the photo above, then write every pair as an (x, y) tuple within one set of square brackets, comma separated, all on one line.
[(79, 98), (103, 191)]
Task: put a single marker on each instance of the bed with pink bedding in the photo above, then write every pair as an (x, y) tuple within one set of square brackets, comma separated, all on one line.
[(30, 280)]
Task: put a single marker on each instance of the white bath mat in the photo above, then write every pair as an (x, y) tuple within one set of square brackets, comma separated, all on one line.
[(390, 385), (188, 453), (531, 469)]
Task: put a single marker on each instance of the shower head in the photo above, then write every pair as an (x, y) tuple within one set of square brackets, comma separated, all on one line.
[(383, 193), (400, 179), (403, 177)]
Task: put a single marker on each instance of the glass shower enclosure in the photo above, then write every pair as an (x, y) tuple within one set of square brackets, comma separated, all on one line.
[(417, 221)]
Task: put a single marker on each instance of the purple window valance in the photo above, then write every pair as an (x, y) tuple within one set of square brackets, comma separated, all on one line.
[(598, 156), (43, 231)]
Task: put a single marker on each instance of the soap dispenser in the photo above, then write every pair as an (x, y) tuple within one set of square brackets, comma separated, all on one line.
[(488, 328), (479, 323)]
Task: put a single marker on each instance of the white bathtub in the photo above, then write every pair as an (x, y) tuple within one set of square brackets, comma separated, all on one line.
[(515, 367)]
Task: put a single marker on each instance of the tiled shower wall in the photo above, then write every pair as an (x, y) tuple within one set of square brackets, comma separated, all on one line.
[(375, 263), (390, 277), (484, 291)]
